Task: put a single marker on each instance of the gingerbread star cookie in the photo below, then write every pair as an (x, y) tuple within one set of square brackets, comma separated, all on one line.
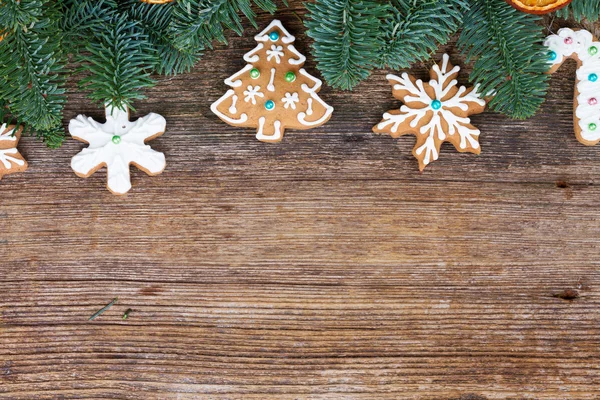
[(11, 160), (435, 112), (115, 145)]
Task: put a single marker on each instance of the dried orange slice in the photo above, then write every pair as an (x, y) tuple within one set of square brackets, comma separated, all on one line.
[(538, 6)]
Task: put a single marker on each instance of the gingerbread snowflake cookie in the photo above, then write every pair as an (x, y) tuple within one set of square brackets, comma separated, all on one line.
[(115, 145), (435, 112), (583, 47), (11, 160), (273, 92)]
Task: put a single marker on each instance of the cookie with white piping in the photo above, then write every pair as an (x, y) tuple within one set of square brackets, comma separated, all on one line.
[(273, 92), (583, 47), (435, 112), (117, 144), (11, 161)]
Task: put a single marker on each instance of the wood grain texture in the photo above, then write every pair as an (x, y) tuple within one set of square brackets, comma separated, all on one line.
[(324, 267)]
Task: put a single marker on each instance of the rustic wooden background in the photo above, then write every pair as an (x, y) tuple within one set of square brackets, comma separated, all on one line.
[(324, 267)]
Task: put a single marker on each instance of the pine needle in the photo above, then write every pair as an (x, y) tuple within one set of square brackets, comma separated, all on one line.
[(103, 309)]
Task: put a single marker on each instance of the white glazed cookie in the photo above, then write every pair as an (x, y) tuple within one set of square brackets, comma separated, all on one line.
[(581, 46), (273, 92), (435, 112), (11, 160), (115, 145)]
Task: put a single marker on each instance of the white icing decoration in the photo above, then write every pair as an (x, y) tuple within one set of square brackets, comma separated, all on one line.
[(309, 109), (214, 108), (233, 81), (252, 93), (117, 157), (233, 109), (285, 37), (290, 100), (250, 56), (305, 87), (275, 137), (275, 52), (7, 135), (301, 117), (261, 125), (580, 43), (300, 59), (6, 159), (270, 86), (418, 94)]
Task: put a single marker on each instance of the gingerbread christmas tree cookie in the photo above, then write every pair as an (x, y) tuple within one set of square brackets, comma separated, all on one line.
[(273, 92), (116, 145), (11, 160), (435, 112)]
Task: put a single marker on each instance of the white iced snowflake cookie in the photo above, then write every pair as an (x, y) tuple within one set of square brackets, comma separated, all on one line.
[(11, 160), (273, 92), (115, 145), (581, 46), (435, 112)]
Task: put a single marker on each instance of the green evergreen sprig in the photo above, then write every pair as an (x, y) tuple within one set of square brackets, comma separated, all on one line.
[(581, 9), (510, 60), (352, 37), (415, 29), (346, 33), (32, 66), (198, 23)]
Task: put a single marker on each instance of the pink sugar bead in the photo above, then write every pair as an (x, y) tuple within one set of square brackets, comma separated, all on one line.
[(568, 40), (592, 101)]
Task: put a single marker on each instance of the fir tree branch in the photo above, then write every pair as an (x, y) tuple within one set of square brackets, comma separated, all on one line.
[(581, 9), (155, 20), (32, 65), (415, 29), (346, 38), (510, 60), (119, 59), (197, 23)]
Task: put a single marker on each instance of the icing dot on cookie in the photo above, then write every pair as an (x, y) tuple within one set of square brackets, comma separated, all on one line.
[(436, 104), (592, 126), (116, 139), (552, 55), (269, 104), (593, 77), (274, 36), (254, 73), (290, 77), (593, 50), (593, 101), (569, 40)]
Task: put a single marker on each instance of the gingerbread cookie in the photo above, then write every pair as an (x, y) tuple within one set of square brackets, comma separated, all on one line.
[(115, 145), (435, 112), (273, 92), (11, 160), (583, 47)]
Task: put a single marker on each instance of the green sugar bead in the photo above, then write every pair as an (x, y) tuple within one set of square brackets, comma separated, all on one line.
[(254, 73), (593, 50), (290, 77), (116, 139)]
